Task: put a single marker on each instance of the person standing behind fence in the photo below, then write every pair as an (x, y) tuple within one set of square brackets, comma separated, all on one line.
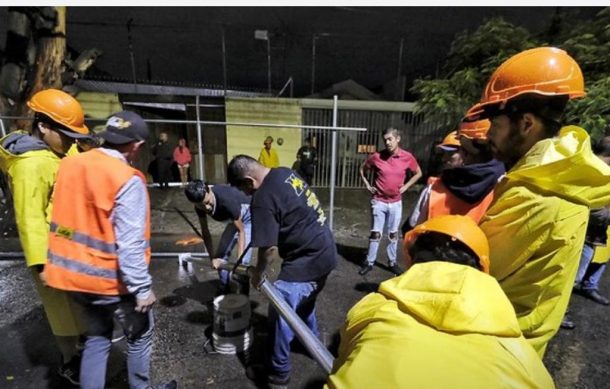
[(163, 155), (182, 156), (268, 156), (390, 168), (30, 162), (307, 156)]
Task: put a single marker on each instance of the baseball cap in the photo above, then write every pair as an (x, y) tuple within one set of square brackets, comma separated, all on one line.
[(124, 127)]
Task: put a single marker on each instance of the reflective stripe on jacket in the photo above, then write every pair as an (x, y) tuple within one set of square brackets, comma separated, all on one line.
[(443, 202), (82, 244)]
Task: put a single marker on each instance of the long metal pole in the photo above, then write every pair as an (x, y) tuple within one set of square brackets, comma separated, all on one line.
[(333, 165), (199, 141), (313, 63), (307, 338), (268, 64), (131, 54), (224, 60), (399, 71), (2, 128)]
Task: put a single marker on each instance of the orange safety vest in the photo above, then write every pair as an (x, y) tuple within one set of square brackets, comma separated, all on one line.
[(82, 253), (443, 202)]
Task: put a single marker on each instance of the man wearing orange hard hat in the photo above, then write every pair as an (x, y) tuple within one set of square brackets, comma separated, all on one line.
[(443, 311), (465, 189), (30, 161), (536, 225)]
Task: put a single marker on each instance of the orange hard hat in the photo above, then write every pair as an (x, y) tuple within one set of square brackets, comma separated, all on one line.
[(61, 108), (474, 130), (450, 143), (458, 227), (546, 71)]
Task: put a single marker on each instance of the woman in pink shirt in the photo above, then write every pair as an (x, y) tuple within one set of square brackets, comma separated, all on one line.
[(182, 156)]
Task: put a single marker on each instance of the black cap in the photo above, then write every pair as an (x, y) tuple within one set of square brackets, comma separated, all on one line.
[(124, 127)]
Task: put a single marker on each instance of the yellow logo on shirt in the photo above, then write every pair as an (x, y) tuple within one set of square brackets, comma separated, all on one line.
[(297, 184)]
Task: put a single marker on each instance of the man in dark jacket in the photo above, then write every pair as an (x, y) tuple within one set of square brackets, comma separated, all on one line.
[(163, 155)]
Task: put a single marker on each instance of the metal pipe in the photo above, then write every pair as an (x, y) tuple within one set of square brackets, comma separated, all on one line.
[(268, 65), (313, 63), (131, 54), (2, 128), (224, 60), (333, 165), (199, 142), (20, 255), (307, 338), (212, 123), (398, 80)]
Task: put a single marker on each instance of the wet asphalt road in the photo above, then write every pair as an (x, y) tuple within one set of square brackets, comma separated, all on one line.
[(184, 314)]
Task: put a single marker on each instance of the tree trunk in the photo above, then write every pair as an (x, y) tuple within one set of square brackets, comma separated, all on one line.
[(50, 55)]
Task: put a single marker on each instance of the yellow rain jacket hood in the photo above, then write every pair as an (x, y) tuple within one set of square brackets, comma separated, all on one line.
[(30, 167), (439, 325), (536, 228)]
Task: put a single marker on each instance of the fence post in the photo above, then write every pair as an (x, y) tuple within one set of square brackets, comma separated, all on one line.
[(333, 165), (199, 141)]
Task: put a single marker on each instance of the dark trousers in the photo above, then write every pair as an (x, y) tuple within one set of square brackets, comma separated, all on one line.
[(164, 172)]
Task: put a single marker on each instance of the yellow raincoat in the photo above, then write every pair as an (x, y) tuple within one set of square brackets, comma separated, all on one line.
[(31, 175), (439, 325), (536, 228)]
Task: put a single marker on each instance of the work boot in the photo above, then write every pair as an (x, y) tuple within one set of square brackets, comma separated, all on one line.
[(395, 269), (567, 323), (595, 296), (365, 269)]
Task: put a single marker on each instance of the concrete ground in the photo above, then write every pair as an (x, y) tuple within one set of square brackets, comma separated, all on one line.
[(184, 313)]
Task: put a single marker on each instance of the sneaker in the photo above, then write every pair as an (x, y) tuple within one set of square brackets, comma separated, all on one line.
[(567, 323), (71, 370), (395, 269), (365, 269), (168, 385), (278, 380), (594, 295)]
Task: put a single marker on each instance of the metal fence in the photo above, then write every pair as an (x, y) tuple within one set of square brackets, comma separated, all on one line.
[(417, 137)]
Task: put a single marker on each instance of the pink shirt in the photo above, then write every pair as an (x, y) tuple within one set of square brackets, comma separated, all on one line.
[(182, 158), (390, 173)]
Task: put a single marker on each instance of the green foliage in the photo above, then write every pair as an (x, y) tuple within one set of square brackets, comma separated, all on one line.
[(589, 44), (470, 62), (474, 56), (592, 112)]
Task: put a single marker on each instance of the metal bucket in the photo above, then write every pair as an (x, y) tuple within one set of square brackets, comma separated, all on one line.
[(232, 332)]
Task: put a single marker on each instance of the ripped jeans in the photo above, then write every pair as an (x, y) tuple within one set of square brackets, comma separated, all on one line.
[(384, 214)]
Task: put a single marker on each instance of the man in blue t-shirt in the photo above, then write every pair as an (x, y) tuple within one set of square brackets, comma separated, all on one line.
[(288, 221), (224, 204)]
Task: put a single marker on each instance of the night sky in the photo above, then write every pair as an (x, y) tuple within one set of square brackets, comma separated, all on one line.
[(183, 44)]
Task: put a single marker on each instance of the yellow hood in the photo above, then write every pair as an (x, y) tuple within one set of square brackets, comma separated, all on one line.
[(565, 167), (453, 298)]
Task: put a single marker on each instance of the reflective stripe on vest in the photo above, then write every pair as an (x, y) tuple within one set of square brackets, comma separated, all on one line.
[(84, 239), (80, 267), (443, 202)]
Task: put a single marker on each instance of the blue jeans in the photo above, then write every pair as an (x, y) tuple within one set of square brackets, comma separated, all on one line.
[(382, 214), (301, 296), (228, 241), (98, 314), (589, 273)]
